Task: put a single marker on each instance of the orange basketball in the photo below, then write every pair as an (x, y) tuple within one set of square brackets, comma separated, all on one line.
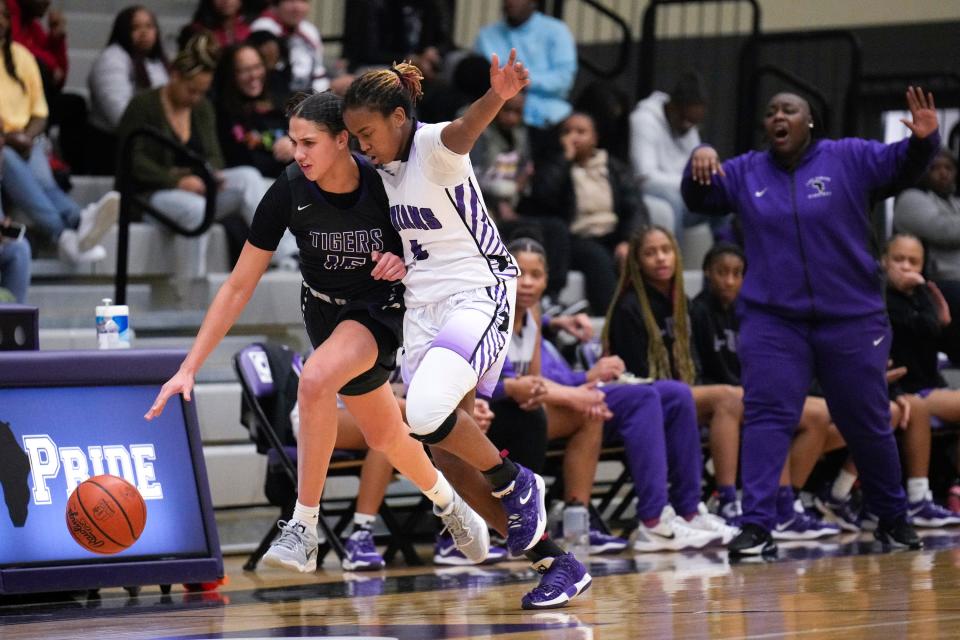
[(106, 514)]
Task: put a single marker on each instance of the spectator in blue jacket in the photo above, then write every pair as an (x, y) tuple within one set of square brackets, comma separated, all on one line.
[(548, 49), (812, 302)]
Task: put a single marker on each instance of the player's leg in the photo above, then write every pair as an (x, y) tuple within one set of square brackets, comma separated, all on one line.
[(944, 404), (378, 417), (580, 457), (584, 436), (721, 407), (453, 349), (375, 476), (809, 442), (923, 511), (349, 351)]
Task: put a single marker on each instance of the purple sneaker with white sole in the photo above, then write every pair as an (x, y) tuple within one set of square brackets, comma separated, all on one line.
[(523, 500), (562, 579), (929, 515)]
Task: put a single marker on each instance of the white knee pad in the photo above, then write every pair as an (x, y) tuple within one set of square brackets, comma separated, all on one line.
[(442, 379)]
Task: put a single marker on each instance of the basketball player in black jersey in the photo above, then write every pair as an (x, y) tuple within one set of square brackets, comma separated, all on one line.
[(352, 301)]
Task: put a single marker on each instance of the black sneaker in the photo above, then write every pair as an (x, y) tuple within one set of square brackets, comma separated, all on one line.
[(899, 534), (753, 540)]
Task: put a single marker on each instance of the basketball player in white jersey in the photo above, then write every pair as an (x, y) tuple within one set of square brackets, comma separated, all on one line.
[(460, 291)]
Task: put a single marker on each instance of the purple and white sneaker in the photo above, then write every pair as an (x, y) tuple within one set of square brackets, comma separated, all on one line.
[(563, 578), (361, 553), (523, 500), (445, 552), (840, 512), (802, 526), (602, 543), (929, 515)]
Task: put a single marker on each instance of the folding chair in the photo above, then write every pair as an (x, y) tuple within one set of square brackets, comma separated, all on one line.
[(260, 390), (256, 380)]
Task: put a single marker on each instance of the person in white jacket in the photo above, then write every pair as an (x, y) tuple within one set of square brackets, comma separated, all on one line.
[(663, 134)]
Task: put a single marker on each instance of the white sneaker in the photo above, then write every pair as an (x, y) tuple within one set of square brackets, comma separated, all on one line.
[(295, 548), (68, 248), (97, 218), (670, 534), (469, 531), (706, 521)]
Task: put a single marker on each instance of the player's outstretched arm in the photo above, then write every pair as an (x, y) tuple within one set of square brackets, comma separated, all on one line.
[(460, 135), (223, 312)]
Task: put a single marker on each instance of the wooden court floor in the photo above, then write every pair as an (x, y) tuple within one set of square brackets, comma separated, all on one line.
[(838, 589)]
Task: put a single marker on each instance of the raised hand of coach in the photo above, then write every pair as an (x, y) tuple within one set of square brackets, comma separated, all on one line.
[(922, 111)]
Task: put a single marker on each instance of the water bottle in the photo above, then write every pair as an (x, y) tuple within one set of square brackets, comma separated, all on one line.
[(576, 529), (113, 325)]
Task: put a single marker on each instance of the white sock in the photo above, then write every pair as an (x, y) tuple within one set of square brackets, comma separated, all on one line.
[(441, 493), (363, 520), (917, 489), (843, 485), (306, 515)]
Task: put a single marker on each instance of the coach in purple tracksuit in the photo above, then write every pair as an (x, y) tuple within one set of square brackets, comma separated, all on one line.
[(812, 303)]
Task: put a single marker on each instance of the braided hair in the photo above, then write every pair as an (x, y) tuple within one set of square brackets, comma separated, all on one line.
[(527, 245), (383, 90), (325, 109), (631, 277)]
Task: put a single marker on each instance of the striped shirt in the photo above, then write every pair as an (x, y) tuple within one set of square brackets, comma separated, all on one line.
[(450, 243)]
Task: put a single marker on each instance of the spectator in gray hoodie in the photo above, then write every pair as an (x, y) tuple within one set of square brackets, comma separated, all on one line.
[(663, 134), (932, 213)]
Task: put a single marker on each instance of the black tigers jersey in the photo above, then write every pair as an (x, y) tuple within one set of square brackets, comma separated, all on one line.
[(336, 233)]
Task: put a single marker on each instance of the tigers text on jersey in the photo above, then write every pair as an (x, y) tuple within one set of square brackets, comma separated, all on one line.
[(336, 233), (450, 243)]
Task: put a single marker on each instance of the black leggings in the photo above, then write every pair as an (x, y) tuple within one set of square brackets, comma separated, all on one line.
[(523, 434)]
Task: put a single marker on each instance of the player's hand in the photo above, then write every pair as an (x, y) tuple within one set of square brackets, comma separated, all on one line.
[(904, 280), (389, 267), (588, 400), (578, 325), (895, 373), (508, 81), (527, 391), (482, 414), (181, 382), (940, 304), (704, 164), (606, 369), (922, 112), (904, 404)]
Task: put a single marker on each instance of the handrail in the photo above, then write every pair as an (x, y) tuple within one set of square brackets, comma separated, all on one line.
[(127, 187), (648, 38), (748, 60), (624, 50)]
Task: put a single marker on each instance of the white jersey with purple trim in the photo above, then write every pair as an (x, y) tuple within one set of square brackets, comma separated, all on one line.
[(450, 243)]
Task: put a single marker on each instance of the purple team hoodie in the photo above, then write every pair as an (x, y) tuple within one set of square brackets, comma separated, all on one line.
[(807, 231)]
